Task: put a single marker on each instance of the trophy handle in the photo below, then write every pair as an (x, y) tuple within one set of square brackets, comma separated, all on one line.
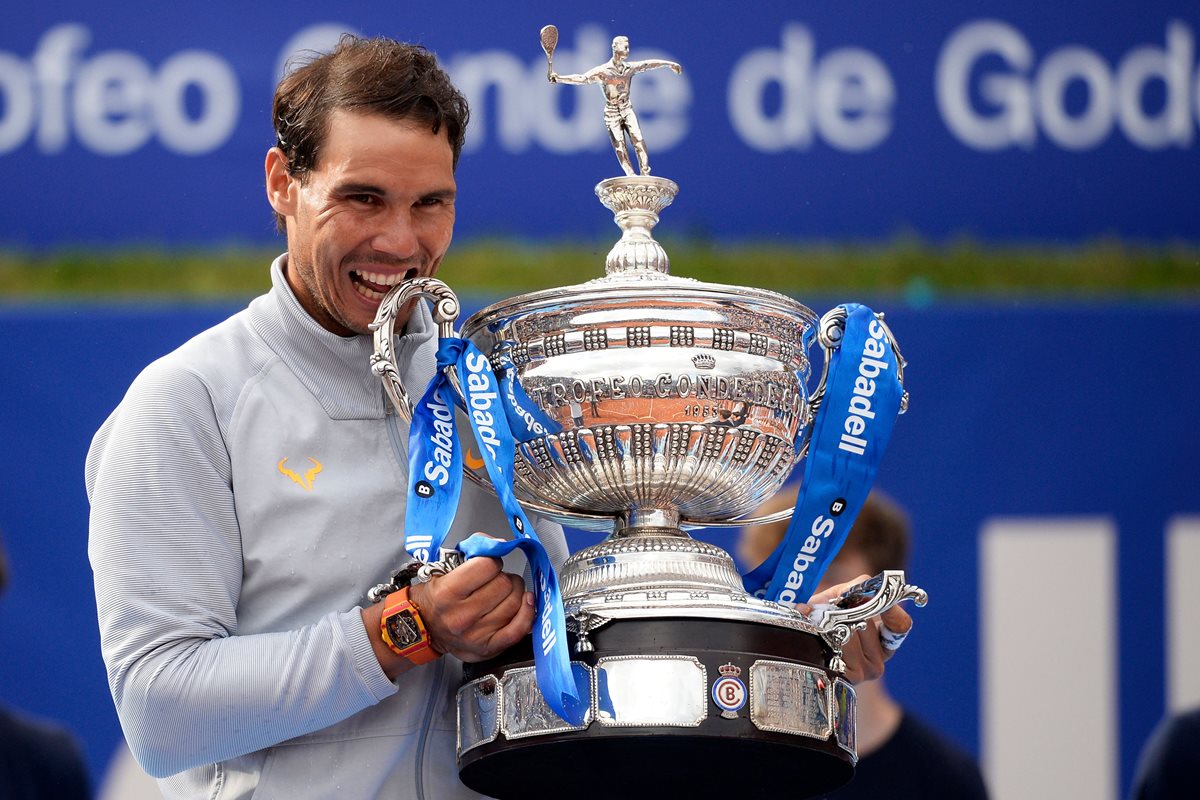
[(830, 330), (446, 309), (860, 603), (383, 363)]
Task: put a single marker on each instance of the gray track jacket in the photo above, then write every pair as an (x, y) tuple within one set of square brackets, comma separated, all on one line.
[(245, 494)]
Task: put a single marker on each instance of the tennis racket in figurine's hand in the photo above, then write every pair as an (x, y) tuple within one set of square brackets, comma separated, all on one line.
[(549, 42)]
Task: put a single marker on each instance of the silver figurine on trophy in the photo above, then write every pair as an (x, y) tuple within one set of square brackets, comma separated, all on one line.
[(682, 405)]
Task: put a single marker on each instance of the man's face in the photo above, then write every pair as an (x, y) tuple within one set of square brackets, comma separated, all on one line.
[(376, 209), (620, 49)]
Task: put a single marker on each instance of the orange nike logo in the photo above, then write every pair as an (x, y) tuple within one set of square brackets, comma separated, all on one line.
[(473, 461), (307, 481)]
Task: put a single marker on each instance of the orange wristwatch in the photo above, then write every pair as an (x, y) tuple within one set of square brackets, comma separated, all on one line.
[(403, 630)]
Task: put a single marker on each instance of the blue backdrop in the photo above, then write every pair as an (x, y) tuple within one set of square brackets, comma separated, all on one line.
[(1019, 410), (1006, 121), (1023, 119)]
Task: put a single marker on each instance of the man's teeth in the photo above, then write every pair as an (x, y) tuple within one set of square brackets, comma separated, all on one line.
[(380, 279), (370, 294)]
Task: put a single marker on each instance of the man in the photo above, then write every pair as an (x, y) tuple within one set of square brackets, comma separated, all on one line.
[(615, 77), (249, 489), (899, 755), (39, 759)]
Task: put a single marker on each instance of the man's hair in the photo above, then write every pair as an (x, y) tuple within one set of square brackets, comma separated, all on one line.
[(373, 76), (880, 534)]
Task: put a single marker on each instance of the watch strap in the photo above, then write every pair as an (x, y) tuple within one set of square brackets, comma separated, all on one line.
[(403, 630)]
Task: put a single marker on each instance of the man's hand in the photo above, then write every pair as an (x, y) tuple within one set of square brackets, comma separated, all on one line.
[(864, 654), (473, 612), (677, 69)]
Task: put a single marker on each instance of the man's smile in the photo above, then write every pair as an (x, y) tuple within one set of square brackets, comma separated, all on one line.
[(374, 285)]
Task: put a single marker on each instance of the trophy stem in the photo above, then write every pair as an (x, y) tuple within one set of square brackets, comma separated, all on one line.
[(635, 202), (648, 522)]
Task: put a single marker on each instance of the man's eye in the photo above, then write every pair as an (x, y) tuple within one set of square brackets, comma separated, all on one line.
[(368, 199)]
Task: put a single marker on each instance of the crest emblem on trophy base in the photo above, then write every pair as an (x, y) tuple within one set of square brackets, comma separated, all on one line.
[(680, 404)]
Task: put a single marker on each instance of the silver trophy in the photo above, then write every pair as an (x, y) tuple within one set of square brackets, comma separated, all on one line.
[(683, 404)]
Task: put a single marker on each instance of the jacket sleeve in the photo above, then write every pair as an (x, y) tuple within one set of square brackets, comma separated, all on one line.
[(165, 549)]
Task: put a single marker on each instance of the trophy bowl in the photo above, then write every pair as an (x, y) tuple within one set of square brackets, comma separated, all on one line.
[(675, 397), (678, 404)]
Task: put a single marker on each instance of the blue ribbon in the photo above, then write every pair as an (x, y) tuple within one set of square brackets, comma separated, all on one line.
[(434, 464), (851, 432), (525, 419), (489, 411)]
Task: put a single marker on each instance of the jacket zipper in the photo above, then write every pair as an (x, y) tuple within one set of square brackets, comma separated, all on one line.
[(428, 722), (401, 449), (399, 446)]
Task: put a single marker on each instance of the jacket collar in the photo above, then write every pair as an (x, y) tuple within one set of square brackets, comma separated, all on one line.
[(337, 369)]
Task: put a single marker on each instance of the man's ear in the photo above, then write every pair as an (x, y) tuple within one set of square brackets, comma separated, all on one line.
[(281, 186)]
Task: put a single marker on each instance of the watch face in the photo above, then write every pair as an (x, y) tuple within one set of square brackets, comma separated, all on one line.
[(403, 629)]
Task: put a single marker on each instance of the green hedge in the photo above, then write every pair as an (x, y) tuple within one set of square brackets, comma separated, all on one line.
[(919, 270)]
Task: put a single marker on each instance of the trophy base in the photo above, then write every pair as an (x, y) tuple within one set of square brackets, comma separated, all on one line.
[(678, 707)]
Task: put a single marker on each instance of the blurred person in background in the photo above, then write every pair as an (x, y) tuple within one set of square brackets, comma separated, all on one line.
[(899, 755), (39, 759), (1168, 764)]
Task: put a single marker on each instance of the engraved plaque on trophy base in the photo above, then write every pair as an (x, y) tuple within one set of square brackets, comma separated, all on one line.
[(679, 708)]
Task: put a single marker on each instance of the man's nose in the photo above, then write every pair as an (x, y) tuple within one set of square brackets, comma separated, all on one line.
[(397, 235)]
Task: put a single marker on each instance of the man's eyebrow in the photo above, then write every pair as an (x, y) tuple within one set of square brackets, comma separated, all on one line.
[(448, 193), (359, 188)]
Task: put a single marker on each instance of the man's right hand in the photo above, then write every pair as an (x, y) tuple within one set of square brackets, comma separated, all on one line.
[(475, 611)]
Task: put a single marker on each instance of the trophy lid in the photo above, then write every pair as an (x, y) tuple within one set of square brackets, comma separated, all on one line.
[(664, 292), (637, 268)]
